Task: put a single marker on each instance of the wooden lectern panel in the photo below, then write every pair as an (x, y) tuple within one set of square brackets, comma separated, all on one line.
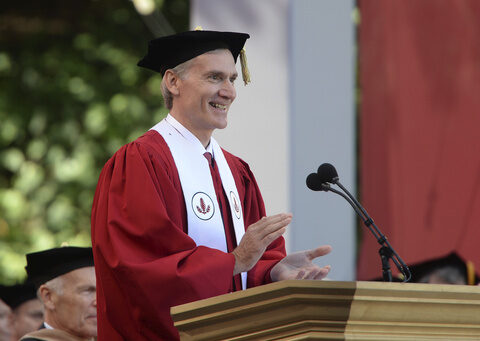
[(328, 310)]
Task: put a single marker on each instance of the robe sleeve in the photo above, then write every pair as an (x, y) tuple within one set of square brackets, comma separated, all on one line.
[(143, 257), (254, 209)]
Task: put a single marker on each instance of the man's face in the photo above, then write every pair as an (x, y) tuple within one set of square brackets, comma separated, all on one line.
[(6, 327), (207, 92), (75, 309), (28, 317)]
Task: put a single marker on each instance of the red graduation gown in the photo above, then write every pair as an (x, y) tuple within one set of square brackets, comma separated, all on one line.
[(145, 262)]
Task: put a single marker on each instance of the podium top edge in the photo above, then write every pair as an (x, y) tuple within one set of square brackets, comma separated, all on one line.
[(345, 289)]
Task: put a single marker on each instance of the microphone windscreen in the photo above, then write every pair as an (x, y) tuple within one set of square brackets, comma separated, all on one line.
[(313, 182), (326, 173)]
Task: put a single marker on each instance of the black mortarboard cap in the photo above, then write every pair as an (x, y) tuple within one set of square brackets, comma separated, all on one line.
[(17, 294), (48, 264), (425, 268), (167, 52), (4, 292)]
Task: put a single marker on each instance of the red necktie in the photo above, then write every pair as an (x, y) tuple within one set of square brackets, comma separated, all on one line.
[(226, 213)]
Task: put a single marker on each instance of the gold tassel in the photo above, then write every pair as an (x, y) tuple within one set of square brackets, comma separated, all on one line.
[(470, 273), (243, 63)]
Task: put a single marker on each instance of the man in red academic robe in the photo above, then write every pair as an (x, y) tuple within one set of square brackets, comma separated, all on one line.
[(176, 218)]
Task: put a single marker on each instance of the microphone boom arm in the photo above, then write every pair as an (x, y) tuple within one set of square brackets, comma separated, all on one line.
[(326, 187), (386, 251)]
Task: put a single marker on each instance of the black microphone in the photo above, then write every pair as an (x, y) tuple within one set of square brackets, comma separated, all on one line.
[(327, 173), (314, 183)]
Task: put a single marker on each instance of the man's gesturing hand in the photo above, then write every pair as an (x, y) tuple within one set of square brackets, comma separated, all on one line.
[(299, 265), (256, 239)]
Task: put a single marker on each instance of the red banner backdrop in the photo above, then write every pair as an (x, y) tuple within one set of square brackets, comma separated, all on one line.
[(420, 128)]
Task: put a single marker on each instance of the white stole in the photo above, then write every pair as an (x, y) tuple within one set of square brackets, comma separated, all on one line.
[(205, 225)]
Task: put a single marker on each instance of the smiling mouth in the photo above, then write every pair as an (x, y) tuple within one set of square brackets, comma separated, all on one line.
[(218, 106)]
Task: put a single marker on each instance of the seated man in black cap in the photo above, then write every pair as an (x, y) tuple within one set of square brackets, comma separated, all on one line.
[(27, 309), (6, 323), (450, 269), (175, 217), (65, 282)]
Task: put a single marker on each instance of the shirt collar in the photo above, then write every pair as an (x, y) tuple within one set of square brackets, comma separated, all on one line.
[(187, 134)]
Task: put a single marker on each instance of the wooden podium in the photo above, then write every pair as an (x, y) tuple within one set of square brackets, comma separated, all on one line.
[(328, 310)]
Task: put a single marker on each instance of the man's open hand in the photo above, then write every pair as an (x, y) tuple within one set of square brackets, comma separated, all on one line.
[(256, 239), (299, 265)]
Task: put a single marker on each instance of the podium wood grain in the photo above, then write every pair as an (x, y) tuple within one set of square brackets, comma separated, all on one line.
[(329, 310)]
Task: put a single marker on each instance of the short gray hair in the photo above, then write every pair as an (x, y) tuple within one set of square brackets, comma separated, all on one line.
[(181, 70), (55, 285)]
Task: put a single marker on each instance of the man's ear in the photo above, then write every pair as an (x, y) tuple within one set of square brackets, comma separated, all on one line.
[(46, 295), (171, 81)]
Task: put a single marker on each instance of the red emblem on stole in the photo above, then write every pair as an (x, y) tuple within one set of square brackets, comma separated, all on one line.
[(236, 204), (203, 206), (203, 209)]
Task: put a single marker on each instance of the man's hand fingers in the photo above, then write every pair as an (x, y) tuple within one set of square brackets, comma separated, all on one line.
[(272, 236), (276, 219), (316, 272), (319, 251), (312, 273), (323, 272), (256, 238), (268, 225), (276, 229), (300, 274)]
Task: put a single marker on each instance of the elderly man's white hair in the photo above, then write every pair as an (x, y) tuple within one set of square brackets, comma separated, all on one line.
[(55, 285)]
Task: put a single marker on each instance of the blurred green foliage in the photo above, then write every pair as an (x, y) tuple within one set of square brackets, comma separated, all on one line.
[(70, 96)]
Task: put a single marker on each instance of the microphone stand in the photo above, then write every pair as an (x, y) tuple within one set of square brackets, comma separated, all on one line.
[(385, 255), (386, 251)]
